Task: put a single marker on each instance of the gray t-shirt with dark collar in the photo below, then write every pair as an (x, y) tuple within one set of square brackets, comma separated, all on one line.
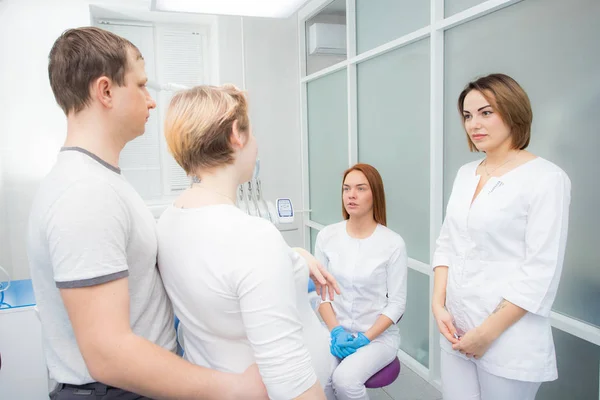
[(88, 226)]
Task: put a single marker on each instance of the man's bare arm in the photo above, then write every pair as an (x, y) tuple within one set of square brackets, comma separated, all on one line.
[(115, 356)]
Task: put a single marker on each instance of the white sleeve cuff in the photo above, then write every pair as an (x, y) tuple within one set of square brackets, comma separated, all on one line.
[(440, 260), (392, 314), (525, 303)]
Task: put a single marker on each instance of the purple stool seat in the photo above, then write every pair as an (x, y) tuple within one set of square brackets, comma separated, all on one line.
[(386, 376)]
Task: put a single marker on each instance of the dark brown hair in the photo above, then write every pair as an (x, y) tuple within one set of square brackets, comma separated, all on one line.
[(376, 184), (509, 99), (80, 56)]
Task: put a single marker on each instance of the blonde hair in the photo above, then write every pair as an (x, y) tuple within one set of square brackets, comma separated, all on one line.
[(199, 122)]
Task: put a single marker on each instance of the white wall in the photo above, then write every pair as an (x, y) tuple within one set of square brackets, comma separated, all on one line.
[(271, 81), (272, 71), (230, 51), (32, 126)]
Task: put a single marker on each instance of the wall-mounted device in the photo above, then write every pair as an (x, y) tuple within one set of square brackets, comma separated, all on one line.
[(285, 210)]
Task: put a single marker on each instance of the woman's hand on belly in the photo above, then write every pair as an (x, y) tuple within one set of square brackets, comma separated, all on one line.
[(478, 340), (445, 325), (474, 343)]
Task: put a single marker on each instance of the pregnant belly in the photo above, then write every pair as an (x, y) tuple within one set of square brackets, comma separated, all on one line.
[(221, 355), (316, 339)]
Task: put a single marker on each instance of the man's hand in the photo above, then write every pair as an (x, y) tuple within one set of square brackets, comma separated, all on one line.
[(248, 385)]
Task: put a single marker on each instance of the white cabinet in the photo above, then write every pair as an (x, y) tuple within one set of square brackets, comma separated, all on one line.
[(23, 374)]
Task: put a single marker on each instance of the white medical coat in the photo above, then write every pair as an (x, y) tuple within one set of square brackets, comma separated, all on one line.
[(371, 273), (508, 244)]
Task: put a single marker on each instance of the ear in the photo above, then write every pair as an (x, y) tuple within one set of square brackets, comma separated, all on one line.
[(101, 90), (237, 138)]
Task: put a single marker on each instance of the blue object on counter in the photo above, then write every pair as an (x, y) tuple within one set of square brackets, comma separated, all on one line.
[(19, 295)]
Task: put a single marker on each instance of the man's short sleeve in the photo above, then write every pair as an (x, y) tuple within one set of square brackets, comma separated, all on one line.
[(87, 230)]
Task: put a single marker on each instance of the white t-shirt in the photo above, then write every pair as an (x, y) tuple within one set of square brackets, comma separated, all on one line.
[(88, 226), (509, 243), (371, 273), (241, 295)]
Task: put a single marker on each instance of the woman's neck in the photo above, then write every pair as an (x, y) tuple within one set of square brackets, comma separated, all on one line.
[(361, 227), (221, 181), (500, 154)]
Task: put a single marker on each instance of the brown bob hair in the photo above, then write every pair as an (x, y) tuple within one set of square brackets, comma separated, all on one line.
[(509, 99), (376, 184)]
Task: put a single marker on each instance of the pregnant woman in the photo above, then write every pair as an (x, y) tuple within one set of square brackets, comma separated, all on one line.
[(238, 289)]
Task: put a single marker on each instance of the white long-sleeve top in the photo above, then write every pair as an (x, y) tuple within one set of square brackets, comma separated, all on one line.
[(371, 273), (231, 278), (508, 244)]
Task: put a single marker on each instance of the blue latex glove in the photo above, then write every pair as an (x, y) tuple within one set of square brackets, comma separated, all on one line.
[(359, 341), (335, 350), (340, 335), (344, 351), (341, 352)]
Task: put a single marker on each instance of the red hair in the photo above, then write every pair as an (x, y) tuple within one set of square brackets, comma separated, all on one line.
[(376, 184)]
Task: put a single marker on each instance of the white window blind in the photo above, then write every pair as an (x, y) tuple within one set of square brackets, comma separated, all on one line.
[(140, 160), (183, 55), (172, 55)]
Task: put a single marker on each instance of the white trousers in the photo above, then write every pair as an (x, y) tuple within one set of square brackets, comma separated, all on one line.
[(464, 380), (348, 379)]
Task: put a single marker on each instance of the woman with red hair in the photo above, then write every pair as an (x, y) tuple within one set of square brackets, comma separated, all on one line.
[(369, 262)]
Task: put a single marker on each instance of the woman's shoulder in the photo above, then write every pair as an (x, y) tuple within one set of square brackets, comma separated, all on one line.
[(230, 222), (334, 228), (470, 167), (391, 237), (256, 228), (467, 171), (257, 240), (544, 174), (546, 167), (328, 238)]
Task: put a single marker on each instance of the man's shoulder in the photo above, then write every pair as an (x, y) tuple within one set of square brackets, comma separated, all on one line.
[(83, 189), (65, 196)]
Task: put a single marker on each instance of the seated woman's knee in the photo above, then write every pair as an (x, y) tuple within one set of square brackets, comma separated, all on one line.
[(342, 380)]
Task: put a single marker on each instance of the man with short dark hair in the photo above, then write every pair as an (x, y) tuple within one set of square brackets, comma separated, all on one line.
[(107, 322)]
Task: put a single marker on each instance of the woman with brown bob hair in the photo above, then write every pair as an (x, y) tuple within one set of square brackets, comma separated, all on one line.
[(369, 261), (499, 255), (237, 288)]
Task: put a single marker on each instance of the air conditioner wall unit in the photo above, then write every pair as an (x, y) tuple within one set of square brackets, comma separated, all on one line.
[(327, 38)]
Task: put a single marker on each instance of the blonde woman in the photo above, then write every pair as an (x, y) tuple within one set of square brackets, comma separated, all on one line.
[(238, 289)]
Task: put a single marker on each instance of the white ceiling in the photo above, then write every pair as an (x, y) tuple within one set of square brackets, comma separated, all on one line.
[(124, 3), (336, 7)]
